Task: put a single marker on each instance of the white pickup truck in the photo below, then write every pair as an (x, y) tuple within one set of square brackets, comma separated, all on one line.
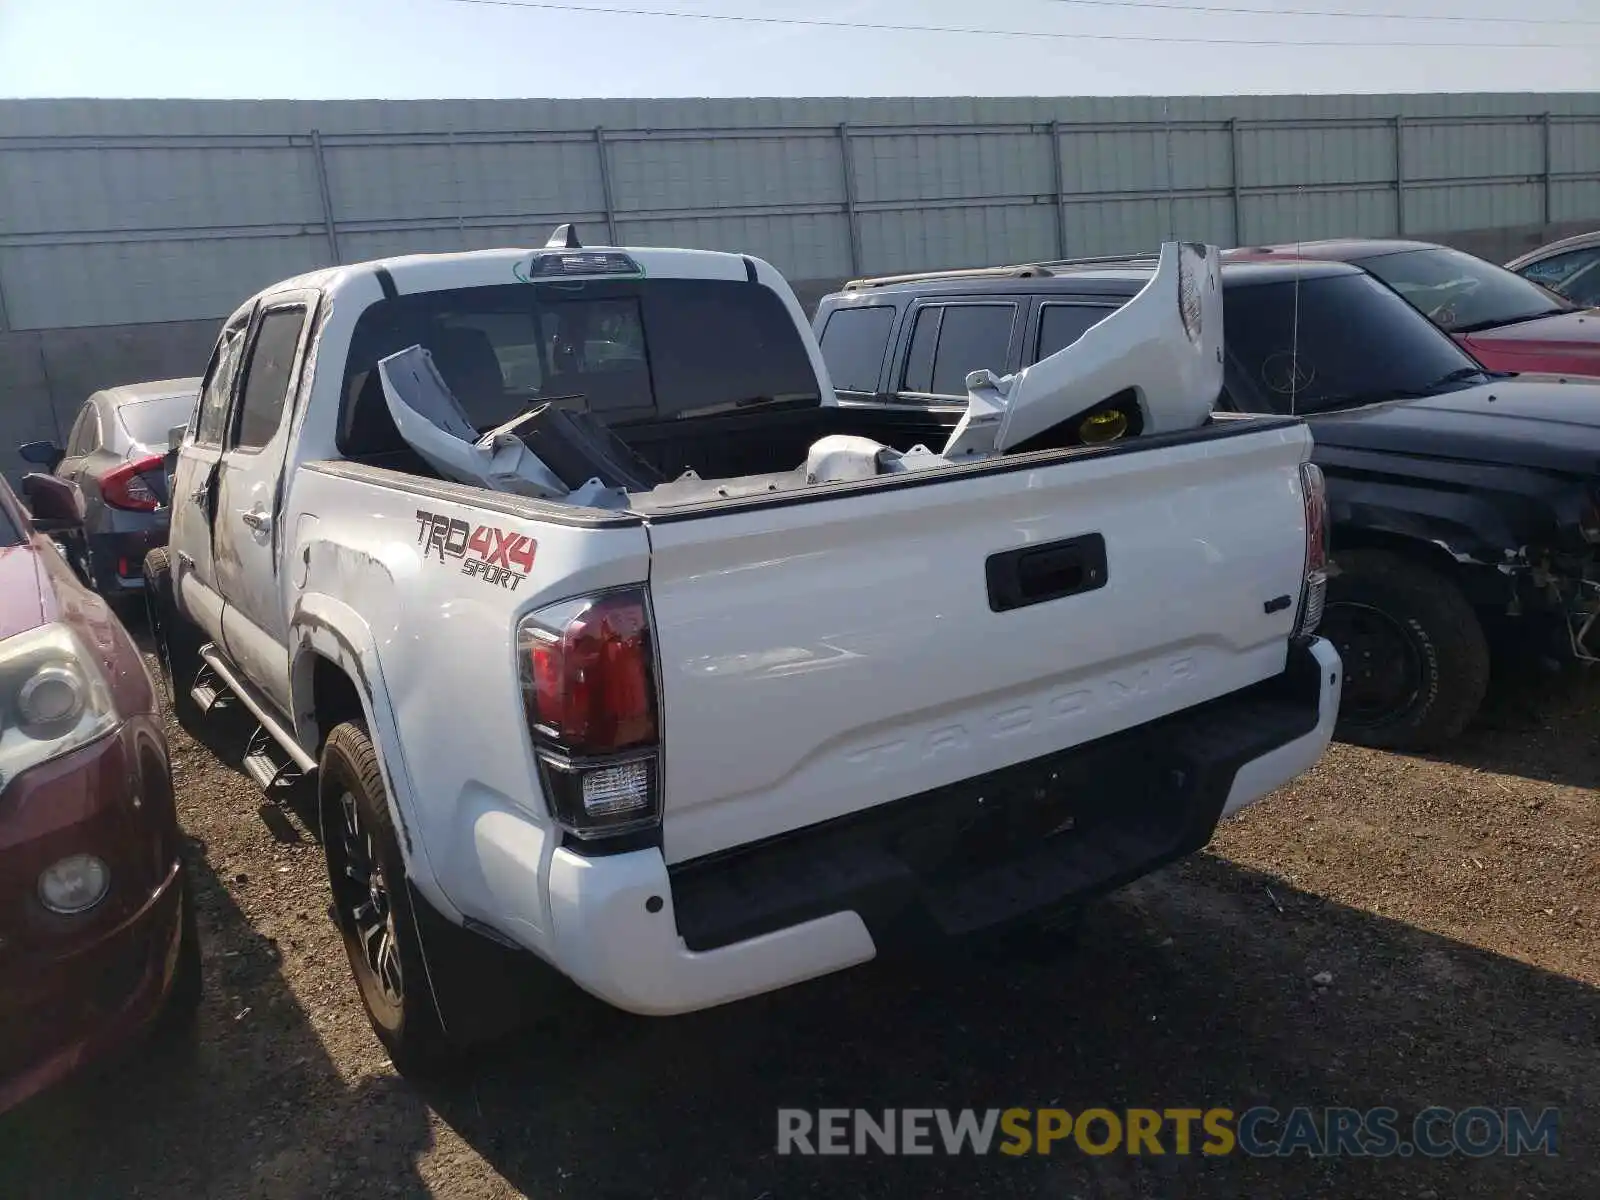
[(704, 685)]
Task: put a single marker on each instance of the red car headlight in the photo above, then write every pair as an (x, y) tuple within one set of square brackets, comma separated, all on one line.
[(53, 698)]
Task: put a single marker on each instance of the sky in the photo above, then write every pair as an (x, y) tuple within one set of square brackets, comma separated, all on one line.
[(342, 49)]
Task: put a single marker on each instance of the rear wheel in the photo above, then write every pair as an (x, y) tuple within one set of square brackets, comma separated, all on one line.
[(177, 641), (1416, 662), (372, 904)]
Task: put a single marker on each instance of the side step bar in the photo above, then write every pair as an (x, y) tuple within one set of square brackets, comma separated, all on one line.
[(260, 763)]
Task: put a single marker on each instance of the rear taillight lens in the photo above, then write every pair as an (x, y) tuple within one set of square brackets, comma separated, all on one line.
[(588, 672), (125, 487), (1314, 490)]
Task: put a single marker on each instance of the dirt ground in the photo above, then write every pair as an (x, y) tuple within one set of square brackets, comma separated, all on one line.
[(1387, 931)]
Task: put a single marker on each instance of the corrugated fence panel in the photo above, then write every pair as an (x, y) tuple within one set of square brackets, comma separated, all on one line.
[(1473, 151), (155, 187), (114, 283), (1307, 157), (113, 212), (1124, 226), (1144, 160), (1473, 206), (795, 245), (682, 173), (386, 182), (952, 165), (956, 237), (1303, 215)]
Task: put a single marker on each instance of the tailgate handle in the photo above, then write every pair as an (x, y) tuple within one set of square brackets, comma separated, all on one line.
[(1035, 574)]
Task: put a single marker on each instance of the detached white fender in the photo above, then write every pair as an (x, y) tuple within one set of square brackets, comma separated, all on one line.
[(322, 626), (1165, 345)]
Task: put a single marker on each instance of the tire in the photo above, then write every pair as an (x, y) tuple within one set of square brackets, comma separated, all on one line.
[(1416, 662), (177, 641), (372, 905)]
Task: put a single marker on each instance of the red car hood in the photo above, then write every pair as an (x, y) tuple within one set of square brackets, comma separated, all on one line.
[(22, 587), (1566, 343)]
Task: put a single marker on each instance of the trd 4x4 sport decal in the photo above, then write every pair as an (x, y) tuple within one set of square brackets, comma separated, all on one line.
[(495, 556)]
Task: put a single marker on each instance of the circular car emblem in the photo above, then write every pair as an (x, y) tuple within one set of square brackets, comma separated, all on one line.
[(1287, 373)]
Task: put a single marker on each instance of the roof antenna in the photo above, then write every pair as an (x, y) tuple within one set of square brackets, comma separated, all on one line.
[(564, 238), (1294, 336)]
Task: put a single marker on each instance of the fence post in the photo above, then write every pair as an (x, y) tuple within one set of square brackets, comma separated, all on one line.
[(1399, 175), (605, 183), (328, 225), (1549, 206), (848, 158), (1235, 182), (1061, 189)]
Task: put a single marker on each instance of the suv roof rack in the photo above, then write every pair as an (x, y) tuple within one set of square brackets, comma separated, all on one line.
[(1017, 271)]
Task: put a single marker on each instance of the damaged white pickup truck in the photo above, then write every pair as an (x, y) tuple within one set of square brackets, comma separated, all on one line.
[(609, 642)]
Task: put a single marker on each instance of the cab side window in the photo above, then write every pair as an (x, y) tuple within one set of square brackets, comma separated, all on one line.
[(265, 391), (211, 414)]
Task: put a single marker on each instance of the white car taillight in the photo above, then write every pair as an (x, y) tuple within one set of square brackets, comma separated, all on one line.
[(1314, 491), (588, 675)]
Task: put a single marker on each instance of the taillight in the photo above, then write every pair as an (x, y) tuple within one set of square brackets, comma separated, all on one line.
[(125, 487), (588, 672), (1314, 490)]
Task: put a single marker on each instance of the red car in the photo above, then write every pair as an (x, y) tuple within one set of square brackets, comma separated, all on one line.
[(1506, 322), (97, 930)]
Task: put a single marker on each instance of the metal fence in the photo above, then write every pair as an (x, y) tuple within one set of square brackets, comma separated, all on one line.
[(102, 224)]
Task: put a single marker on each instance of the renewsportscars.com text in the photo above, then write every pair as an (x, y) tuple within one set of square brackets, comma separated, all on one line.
[(1259, 1132)]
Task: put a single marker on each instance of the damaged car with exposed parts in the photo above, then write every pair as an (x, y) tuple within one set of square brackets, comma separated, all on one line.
[(1465, 503), (618, 653)]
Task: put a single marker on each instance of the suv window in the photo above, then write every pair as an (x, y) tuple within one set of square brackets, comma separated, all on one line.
[(950, 341), (625, 350), (1062, 324), (211, 414), (854, 342), (266, 380), (1339, 342)]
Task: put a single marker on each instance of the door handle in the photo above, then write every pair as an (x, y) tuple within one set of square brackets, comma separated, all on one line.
[(259, 521)]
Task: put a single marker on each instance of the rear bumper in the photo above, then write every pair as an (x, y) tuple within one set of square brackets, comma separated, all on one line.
[(659, 940), (118, 558)]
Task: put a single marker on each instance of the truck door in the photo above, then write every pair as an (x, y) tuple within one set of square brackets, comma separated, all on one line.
[(246, 537), (194, 492)]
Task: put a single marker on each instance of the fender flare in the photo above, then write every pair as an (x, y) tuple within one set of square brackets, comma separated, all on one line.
[(321, 626), (1471, 530)]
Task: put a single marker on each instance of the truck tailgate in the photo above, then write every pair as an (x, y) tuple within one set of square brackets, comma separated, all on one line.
[(824, 656)]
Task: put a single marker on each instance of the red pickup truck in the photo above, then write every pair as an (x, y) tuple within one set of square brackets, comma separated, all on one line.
[(1506, 322)]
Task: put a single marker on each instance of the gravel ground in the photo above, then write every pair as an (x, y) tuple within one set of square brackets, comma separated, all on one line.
[(1387, 931)]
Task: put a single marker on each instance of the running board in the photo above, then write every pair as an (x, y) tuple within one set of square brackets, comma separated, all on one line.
[(265, 762), (209, 692), (223, 674)]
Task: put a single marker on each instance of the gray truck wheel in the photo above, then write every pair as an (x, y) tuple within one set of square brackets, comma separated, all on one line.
[(372, 904), (1416, 662)]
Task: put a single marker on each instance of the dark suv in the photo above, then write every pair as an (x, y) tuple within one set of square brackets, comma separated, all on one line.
[(1466, 504)]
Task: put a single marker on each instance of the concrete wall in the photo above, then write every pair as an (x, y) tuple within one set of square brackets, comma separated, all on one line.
[(127, 229)]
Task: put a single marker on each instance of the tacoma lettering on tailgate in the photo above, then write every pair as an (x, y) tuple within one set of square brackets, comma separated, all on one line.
[(496, 556)]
